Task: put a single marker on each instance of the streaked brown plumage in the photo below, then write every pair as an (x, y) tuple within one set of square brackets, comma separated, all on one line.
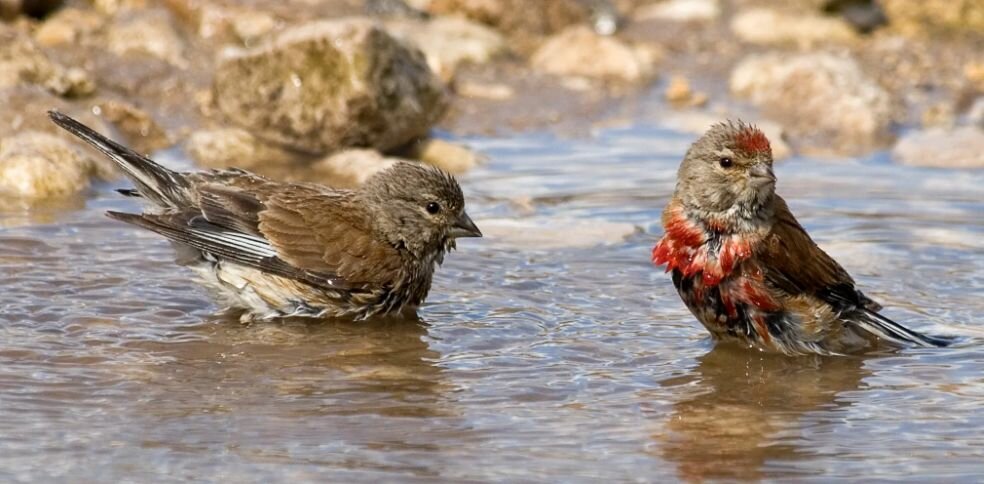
[(746, 268), (299, 249)]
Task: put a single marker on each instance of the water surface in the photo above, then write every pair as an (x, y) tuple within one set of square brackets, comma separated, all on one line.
[(549, 351)]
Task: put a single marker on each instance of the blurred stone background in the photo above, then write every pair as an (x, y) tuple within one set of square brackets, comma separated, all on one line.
[(332, 90)]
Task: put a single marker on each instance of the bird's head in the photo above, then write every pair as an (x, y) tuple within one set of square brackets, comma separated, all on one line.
[(418, 207), (727, 172)]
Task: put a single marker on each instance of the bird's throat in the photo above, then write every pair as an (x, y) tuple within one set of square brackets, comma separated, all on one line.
[(693, 246)]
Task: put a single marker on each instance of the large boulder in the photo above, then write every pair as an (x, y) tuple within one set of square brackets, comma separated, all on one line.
[(329, 85), (816, 94)]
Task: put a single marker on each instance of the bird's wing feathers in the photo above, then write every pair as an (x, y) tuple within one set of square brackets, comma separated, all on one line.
[(798, 266), (163, 187), (245, 249), (231, 208), (321, 233)]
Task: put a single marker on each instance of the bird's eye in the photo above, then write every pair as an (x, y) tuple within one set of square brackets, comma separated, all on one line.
[(726, 162), (433, 207)]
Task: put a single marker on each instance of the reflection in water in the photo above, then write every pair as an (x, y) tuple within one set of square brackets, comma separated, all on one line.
[(382, 366), (745, 410), (329, 386)]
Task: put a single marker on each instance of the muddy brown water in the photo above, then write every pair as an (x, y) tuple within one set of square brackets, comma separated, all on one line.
[(570, 361)]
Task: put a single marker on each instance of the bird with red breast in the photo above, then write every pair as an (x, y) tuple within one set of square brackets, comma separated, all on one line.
[(275, 249), (746, 268)]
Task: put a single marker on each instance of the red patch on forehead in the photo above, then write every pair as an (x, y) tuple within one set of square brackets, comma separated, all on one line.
[(752, 141)]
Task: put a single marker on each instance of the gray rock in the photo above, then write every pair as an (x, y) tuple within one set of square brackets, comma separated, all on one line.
[(961, 147), (148, 32), (22, 62), (234, 148), (350, 168), (330, 85), (816, 94), (579, 51), (451, 157), (36, 166), (68, 26)]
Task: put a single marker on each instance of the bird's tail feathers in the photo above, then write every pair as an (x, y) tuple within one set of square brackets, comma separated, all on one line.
[(895, 333), (158, 184)]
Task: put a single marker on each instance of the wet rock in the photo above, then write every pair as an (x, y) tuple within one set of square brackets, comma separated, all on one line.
[(23, 62), (366, 89), (448, 42), (36, 166), (699, 122), (579, 51), (541, 233), (450, 157), (68, 26), (926, 17), (818, 94), (148, 32), (350, 168), (235, 148), (223, 22), (679, 11), (961, 147), (679, 93), (767, 26)]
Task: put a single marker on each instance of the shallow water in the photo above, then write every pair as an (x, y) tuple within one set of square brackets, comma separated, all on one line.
[(541, 355)]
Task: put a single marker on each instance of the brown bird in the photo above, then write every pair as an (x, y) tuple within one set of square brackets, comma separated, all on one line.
[(746, 268), (299, 249)]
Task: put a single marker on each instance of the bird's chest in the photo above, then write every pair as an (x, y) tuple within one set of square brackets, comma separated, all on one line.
[(739, 306), (720, 280), (412, 287)]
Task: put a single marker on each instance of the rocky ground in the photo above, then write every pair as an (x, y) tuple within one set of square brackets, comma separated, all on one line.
[(332, 90)]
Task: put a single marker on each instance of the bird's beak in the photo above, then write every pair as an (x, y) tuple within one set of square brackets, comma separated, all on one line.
[(762, 171), (464, 227)]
